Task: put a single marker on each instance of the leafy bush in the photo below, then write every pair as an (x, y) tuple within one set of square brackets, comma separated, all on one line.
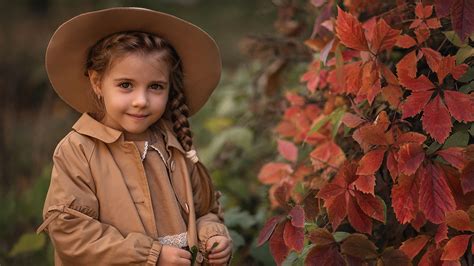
[(376, 162)]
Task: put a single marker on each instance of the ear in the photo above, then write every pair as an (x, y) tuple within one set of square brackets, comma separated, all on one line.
[(94, 79)]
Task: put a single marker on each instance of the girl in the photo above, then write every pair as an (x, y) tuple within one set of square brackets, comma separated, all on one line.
[(127, 187)]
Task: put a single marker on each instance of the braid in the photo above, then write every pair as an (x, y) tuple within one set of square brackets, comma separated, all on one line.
[(179, 116)]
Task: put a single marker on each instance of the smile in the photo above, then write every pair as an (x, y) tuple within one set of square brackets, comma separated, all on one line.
[(138, 116)]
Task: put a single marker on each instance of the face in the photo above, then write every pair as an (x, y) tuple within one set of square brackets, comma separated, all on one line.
[(135, 91)]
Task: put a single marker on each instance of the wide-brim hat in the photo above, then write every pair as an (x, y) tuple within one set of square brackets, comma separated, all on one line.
[(67, 52)]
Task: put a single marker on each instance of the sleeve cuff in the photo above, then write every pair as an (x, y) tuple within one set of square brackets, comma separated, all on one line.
[(154, 253), (214, 229)]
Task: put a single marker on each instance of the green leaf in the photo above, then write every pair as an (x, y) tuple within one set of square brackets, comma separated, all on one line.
[(467, 88), (464, 53), (319, 124), (194, 251), (340, 236), (384, 209), (468, 76), (237, 240), (28, 242), (471, 130), (458, 139), (433, 148), (454, 38), (337, 121), (235, 217)]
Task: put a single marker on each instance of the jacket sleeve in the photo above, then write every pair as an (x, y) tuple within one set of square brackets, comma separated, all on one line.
[(71, 217), (209, 212)]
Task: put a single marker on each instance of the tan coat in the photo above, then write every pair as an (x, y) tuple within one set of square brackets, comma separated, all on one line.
[(98, 209)]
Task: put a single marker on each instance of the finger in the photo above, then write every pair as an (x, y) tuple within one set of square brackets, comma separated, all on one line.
[(221, 254), (220, 246), (184, 254), (219, 261)]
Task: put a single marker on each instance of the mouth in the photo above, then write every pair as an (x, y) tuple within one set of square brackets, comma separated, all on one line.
[(138, 116)]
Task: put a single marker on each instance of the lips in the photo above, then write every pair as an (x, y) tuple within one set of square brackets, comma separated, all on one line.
[(138, 116)]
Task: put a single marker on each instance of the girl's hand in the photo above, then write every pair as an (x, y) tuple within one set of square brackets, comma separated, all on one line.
[(174, 256), (220, 254)]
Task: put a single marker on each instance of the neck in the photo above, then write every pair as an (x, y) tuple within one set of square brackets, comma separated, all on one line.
[(141, 136)]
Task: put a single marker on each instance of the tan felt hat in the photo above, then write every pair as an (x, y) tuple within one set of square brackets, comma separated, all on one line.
[(68, 48)]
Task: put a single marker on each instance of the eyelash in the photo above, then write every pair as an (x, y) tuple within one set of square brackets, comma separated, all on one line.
[(152, 86)]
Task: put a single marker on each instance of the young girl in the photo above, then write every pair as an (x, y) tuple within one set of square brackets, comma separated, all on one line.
[(127, 187)]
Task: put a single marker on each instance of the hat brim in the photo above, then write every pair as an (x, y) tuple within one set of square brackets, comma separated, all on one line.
[(67, 52)]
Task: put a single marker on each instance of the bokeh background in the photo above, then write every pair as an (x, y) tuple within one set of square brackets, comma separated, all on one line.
[(232, 132)]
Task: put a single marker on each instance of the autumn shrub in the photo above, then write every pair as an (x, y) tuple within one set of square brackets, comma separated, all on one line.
[(375, 161)]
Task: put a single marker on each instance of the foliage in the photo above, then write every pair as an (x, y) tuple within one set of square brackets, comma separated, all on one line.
[(376, 159)]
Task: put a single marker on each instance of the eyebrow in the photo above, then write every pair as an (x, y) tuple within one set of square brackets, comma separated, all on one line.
[(153, 81)]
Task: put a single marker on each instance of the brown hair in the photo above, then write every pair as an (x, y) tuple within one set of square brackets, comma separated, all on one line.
[(105, 51)]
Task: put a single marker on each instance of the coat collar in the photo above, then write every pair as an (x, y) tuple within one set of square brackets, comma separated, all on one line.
[(87, 125)]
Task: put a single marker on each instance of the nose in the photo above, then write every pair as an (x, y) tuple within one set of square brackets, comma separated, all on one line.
[(140, 99)]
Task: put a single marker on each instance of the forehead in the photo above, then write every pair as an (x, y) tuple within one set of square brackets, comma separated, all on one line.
[(139, 63)]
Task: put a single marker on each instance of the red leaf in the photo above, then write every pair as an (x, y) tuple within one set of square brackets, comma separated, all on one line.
[(392, 165), (324, 256), (461, 17), (433, 58), (415, 103), (352, 120), (272, 173), (365, 183), (267, 230), (442, 7), (392, 94), (294, 237), (288, 150), (350, 31), (419, 221), (467, 178), (384, 37), (435, 198), (411, 137), (405, 41), (337, 210), (297, 216), (431, 257), (295, 99), (371, 162), (277, 245), (441, 233), (359, 246), (372, 206), (330, 190), (405, 198), (370, 135), (446, 66), (455, 247), (413, 246), (433, 23), (391, 256), (436, 120), (357, 218), (410, 156), (454, 156), (423, 11), (322, 237), (406, 67), (460, 105), (459, 220)]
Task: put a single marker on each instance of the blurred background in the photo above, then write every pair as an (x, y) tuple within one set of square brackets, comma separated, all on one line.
[(233, 132)]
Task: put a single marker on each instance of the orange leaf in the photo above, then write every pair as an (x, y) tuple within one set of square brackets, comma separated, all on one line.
[(454, 156), (459, 220), (272, 173), (352, 120), (288, 150), (357, 218), (384, 37), (436, 120), (372, 206), (455, 247), (371, 162), (441, 233), (413, 246), (365, 183), (405, 198), (350, 31), (405, 41), (433, 58)]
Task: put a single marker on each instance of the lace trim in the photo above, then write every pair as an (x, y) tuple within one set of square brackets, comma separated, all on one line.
[(179, 240)]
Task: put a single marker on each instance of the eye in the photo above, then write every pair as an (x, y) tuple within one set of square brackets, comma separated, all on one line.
[(125, 85), (157, 86)]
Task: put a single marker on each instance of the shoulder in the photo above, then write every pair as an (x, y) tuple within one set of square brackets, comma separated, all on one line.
[(75, 144)]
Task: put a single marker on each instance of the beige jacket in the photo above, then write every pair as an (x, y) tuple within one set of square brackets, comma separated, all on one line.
[(98, 209)]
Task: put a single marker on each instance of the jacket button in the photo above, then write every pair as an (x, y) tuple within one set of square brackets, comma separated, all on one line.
[(173, 166), (187, 208)]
